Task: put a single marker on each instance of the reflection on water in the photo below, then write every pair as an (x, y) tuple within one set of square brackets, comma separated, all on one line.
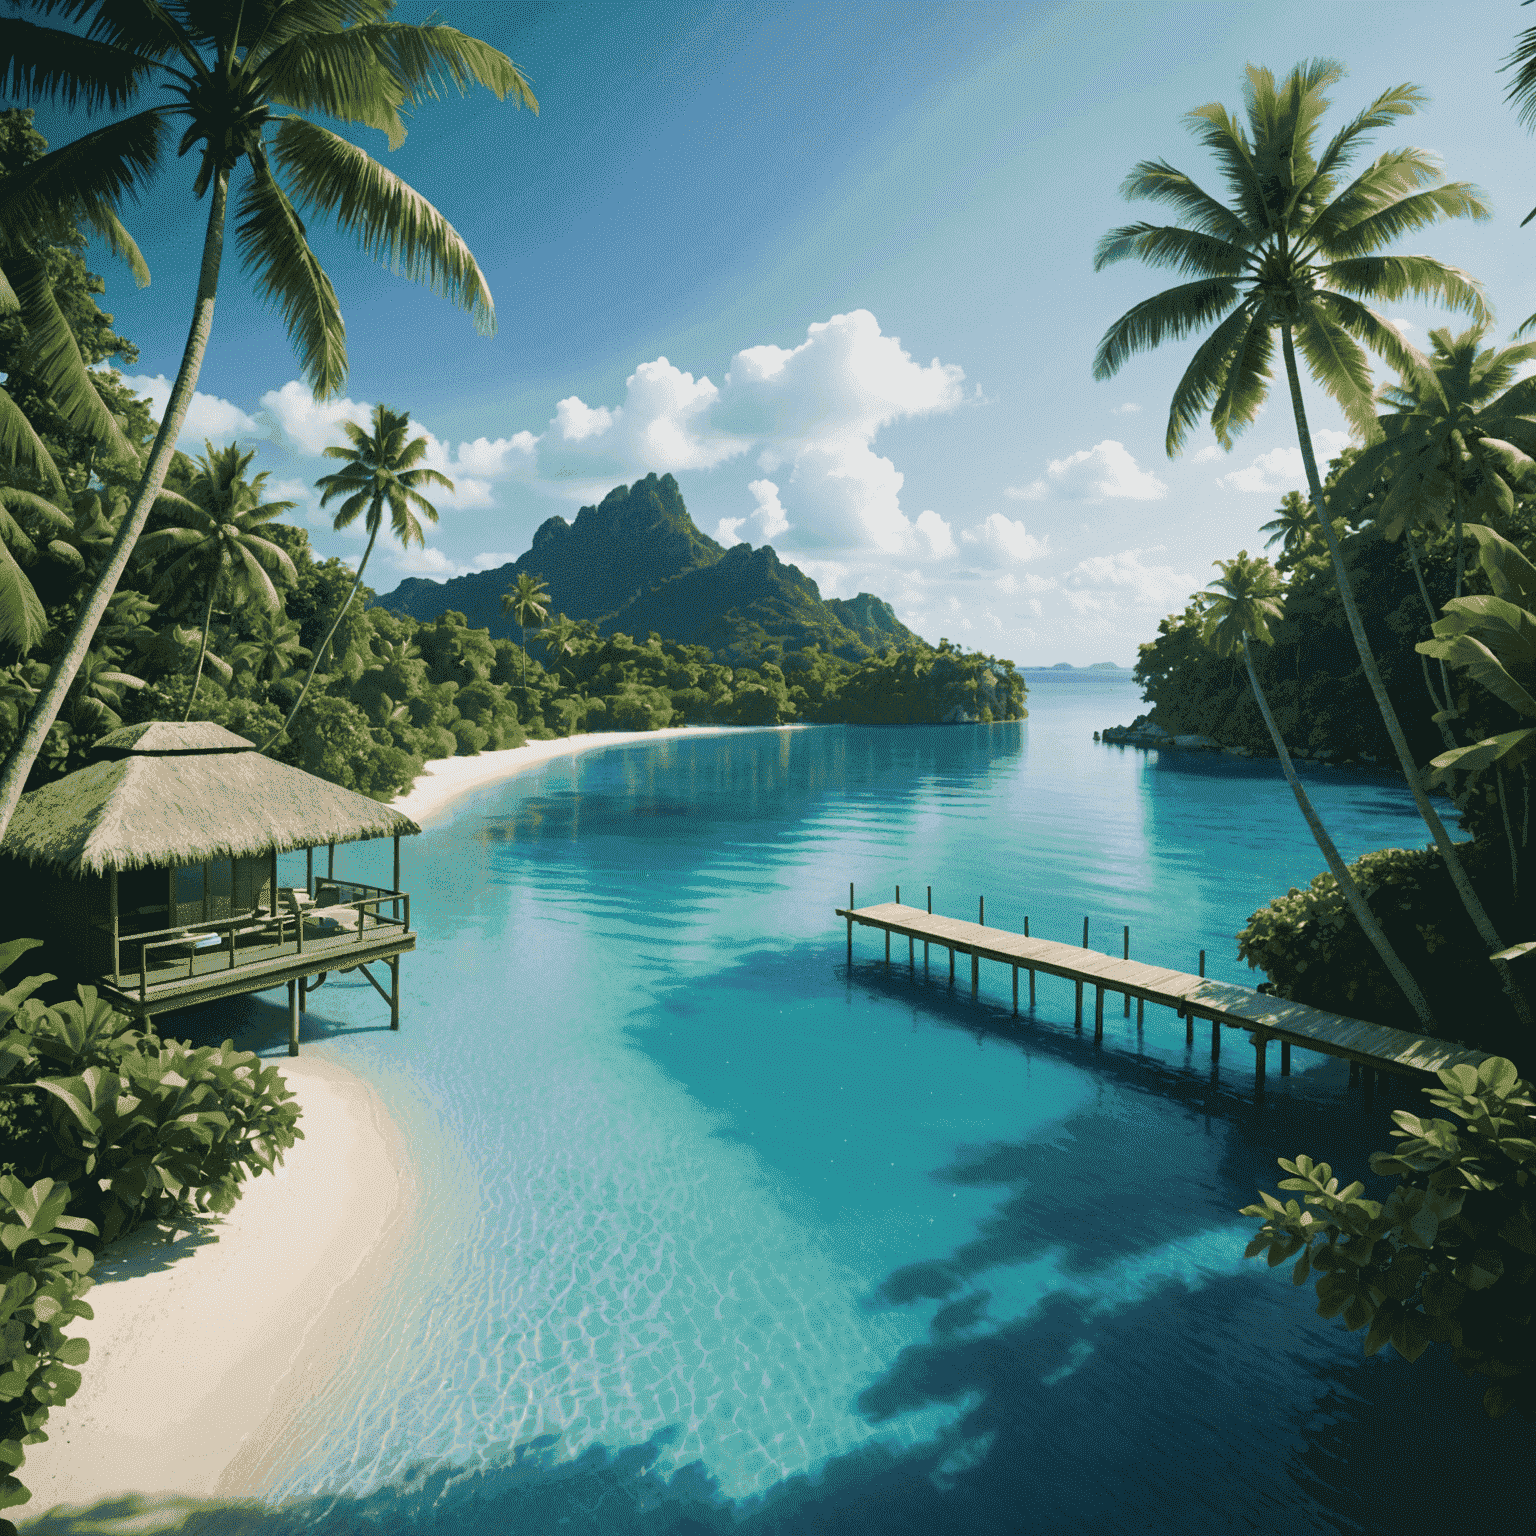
[(716, 1233)]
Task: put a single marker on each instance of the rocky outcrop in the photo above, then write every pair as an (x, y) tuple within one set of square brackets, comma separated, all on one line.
[(1143, 731)]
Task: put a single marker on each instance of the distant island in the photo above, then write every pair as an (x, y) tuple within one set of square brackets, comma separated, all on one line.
[(1094, 666)]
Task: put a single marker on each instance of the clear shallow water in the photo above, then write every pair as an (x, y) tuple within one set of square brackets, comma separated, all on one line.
[(715, 1234)]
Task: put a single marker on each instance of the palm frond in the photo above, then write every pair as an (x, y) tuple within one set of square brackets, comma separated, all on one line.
[(1339, 364), (258, 582), (1522, 89), (1204, 377), (275, 251), (148, 30), (340, 74), (23, 623), (1419, 277), (20, 444), (1399, 101), (59, 365), (1216, 129), (393, 222), (1246, 383), (1166, 245), (1170, 315), (38, 508), (1454, 200), (1160, 182), (65, 69), (88, 177), (1396, 174), (426, 59)]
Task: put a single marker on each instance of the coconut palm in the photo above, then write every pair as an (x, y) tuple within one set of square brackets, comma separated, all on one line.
[(239, 75), (1457, 438), (1240, 606), (382, 468), (1293, 527), (219, 547), (560, 637), (1296, 253), (528, 603), (271, 650)]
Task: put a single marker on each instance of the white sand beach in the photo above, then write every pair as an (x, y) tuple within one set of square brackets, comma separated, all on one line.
[(445, 779), (196, 1364)]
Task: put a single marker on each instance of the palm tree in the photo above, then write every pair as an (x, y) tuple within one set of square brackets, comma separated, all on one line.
[(240, 74), (1239, 608), (379, 470), (528, 603), (220, 547), (271, 650), (1293, 527), (1296, 253), (1459, 437), (560, 637)]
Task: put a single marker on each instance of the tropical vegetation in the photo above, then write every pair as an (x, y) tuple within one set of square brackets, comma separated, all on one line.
[(1373, 583)]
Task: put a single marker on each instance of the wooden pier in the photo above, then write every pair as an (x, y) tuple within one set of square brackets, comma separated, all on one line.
[(1371, 1047)]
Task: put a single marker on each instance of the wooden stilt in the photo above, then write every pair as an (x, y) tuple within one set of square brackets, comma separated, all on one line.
[(1260, 1052), (1202, 962), (1141, 1011), (975, 973), (850, 926), (1127, 956), (1078, 1021), (981, 911), (1189, 1028), (309, 871), (1098, 1013), (303, 994), (1285, 1058), (1015, 989), (1031, 988), (1085, 933), (911, 953), (887, 946), (394, 991), (1215, 1039), (951, 965), (293, 1018)]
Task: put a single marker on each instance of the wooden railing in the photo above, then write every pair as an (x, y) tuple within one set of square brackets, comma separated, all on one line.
[(271, 924)]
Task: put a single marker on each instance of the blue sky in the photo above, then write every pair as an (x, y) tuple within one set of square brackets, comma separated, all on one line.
[(831, 265)]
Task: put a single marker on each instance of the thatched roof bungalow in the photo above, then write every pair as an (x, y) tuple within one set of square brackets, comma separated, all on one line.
[(175, 830)]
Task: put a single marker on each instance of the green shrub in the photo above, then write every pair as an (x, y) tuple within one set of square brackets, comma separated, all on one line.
[(1450, 1256), (1314, 952), (43, 1280)]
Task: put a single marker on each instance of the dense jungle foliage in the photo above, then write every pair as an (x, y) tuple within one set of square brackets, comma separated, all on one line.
[(1304, 940)]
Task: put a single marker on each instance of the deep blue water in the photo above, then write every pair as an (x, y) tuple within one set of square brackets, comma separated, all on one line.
[(717, 1234)]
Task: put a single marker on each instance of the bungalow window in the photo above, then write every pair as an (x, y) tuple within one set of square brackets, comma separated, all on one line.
[(189, 889)]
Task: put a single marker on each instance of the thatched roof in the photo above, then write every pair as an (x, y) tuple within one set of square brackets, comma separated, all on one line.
[(166, 793)]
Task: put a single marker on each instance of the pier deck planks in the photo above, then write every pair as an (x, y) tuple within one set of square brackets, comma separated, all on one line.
[(1264, 1017)]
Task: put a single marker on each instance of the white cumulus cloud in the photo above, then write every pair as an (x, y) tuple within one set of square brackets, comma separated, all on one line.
[(1106, 471), (1130, 408), (1007, 537), (933, 528), (1282, 469), (209, 418), (1103, 582)]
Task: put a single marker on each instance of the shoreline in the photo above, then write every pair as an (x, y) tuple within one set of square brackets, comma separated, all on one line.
[(205, 1342), (446, 779)]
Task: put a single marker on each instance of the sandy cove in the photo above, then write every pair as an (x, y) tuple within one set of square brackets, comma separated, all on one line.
[(445, 779), (205, 1342)]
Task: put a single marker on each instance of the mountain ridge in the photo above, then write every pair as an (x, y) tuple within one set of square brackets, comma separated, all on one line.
[(637, 562)]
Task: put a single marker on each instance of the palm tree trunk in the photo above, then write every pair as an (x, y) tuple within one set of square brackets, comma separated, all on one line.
[(1340, 870), (314, 666), (1469, 898), (45, 709), (202, 650), (1509, 835), (1445, 731)]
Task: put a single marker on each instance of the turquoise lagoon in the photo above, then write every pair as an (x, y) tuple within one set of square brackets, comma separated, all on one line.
[(717, 1234)]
